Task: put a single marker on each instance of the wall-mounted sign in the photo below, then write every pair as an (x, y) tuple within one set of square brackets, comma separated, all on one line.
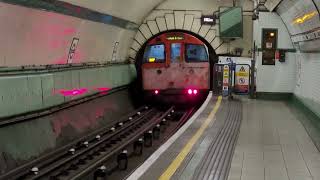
[(269, 45), (208, 20), (72, 50), (226, 76), (242, 78), (115, 51)]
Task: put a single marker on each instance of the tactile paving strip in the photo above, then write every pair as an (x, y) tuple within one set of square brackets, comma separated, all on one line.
[(216, 162)]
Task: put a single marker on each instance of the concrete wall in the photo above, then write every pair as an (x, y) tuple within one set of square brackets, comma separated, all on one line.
[(185, 15), (25, 93), (25, 141), (36, 37), (282, 76)]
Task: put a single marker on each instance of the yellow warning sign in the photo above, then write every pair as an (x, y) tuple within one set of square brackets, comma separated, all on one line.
[(242, 72), (226, 75), (242, 78)]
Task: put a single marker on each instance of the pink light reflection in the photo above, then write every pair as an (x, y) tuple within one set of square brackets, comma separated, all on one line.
[(81, 91), (103, 90), (73, 92)]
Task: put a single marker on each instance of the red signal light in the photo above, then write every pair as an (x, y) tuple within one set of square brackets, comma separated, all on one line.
[(156, 92), (190, 91)]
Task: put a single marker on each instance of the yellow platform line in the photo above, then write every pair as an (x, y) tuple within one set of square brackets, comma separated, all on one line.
[(175, 164)]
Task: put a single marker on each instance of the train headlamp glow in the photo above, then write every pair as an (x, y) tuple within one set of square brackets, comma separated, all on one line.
[(151, 60)]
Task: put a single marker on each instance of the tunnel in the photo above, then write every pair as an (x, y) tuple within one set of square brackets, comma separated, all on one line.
[(72, 96)]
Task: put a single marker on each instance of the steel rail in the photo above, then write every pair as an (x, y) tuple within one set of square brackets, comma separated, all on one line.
[(62, 151)]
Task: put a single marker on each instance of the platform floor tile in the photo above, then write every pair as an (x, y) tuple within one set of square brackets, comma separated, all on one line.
[(273, 145)]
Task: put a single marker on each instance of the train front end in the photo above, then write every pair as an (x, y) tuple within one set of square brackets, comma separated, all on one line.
[(175, 68)]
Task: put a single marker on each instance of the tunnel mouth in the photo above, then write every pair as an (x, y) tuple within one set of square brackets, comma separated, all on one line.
[(213, 58)]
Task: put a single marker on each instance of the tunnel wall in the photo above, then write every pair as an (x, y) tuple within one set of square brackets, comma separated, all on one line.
[(35, 37), (281, 77), (26, 141), (305, 34), (133, 10), (33, 90), (186, 15)]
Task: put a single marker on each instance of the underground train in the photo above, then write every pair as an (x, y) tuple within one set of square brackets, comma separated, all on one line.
[(175, 63)]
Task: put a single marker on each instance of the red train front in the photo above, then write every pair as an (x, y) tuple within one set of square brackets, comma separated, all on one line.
[(175, 63)]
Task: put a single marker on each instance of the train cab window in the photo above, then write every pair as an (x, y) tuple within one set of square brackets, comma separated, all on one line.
[(175, 52), (154, 54), (196, 53)]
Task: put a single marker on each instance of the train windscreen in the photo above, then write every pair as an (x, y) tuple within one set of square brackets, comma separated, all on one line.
[(154, 54), (196, 53)]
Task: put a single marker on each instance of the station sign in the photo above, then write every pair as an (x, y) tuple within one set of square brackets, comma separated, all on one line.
[(208, 20), (242, 78), (72, 50)]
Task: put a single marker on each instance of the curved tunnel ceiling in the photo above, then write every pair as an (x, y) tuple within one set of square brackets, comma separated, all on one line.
[(299, 16), (302, 19), (132, 10)]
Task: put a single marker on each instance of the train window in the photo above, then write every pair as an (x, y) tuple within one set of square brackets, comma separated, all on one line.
[(154, 54), (175, 52), (196, 53)]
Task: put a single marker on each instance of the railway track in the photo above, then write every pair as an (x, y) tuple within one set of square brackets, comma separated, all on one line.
[(97, 154)]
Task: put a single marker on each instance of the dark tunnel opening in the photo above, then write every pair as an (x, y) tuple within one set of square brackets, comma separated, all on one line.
[(213, 58)]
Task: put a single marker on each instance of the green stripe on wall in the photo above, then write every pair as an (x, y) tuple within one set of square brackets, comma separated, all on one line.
[(309, 119), (274, 96)]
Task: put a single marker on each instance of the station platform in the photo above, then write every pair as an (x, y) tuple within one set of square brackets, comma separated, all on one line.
[(238, 139)]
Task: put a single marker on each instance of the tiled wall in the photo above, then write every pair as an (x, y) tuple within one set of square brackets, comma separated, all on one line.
[(186, 15), (24, 93), (308, 80), (281, 77)]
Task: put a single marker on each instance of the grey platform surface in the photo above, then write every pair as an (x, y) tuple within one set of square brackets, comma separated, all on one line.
[(227, 119), (163, 162), (273, 145)]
